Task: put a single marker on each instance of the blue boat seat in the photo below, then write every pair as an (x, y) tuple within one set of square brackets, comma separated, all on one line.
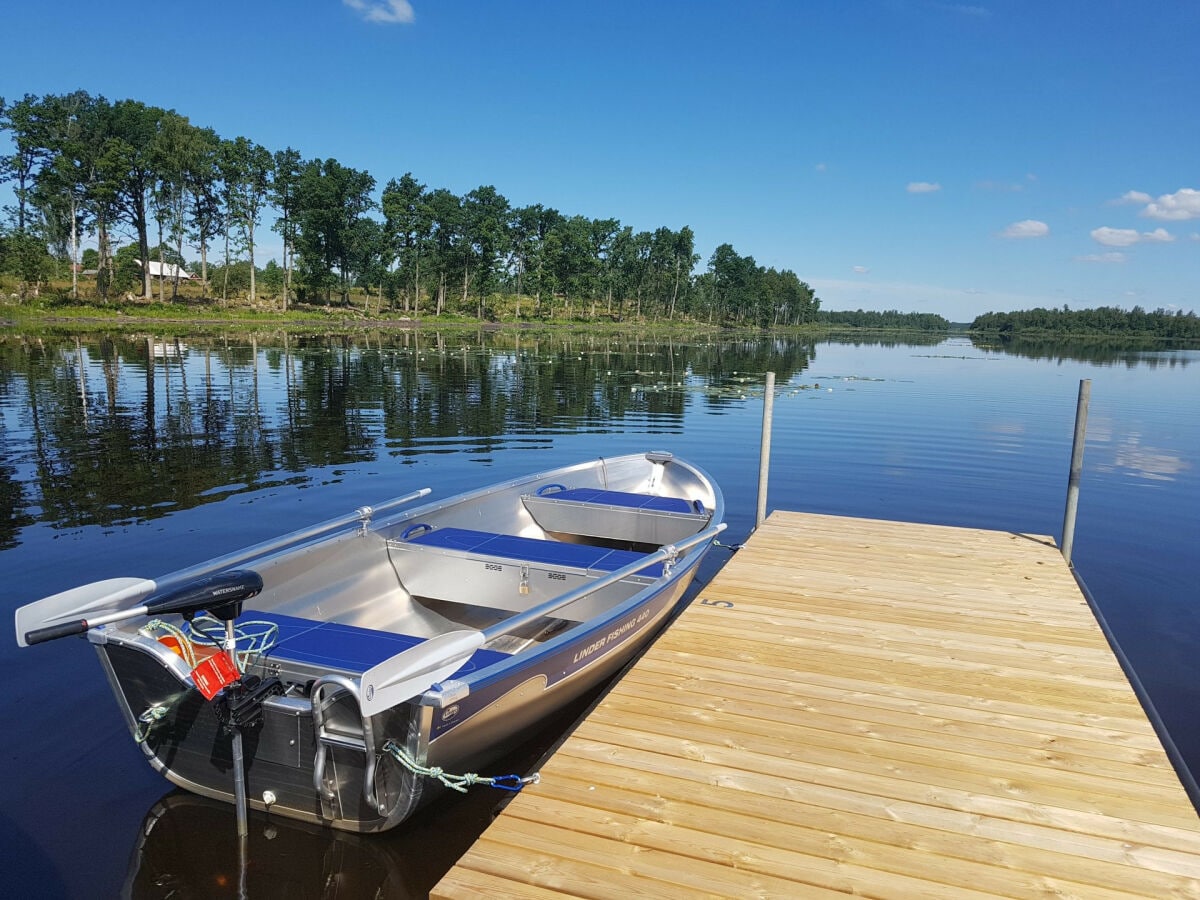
[(623, 498), (533, 550), (646, 519), (330, 646)]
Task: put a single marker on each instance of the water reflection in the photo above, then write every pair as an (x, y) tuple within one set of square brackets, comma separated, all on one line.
[(1127, 351), (1143, 461), (108, 429), (112, 428), (187, 846)]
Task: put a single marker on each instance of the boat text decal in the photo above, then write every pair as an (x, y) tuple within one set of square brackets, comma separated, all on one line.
[(617, 633)]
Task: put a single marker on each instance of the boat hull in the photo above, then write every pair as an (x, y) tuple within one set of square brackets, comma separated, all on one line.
[(559, 579), (193, 750)]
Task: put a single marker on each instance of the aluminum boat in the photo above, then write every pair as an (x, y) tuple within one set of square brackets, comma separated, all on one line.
[(348, 673)]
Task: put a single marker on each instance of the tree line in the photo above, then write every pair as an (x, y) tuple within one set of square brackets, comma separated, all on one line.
[(1106, 320), (83, 169), (887, 319)]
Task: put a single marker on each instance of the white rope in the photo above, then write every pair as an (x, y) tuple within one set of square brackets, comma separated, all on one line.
[(458, 783), (147, 720)]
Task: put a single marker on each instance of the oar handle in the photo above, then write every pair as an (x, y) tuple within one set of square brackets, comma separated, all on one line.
[(52, 632), (221, 594)]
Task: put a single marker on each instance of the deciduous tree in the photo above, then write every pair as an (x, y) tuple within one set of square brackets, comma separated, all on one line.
[(407, 225), (129, 161), (283, 196), (331, 199)]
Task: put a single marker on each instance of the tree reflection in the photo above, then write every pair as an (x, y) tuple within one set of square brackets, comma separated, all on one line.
[(1105, 351), (103, 429)]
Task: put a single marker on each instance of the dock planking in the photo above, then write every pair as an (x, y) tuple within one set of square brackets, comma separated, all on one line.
[(862, 707)]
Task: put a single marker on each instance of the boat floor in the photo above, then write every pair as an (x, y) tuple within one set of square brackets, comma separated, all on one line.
[(481, 617)]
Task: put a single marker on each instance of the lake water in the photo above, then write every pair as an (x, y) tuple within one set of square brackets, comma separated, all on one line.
[(135, 454)]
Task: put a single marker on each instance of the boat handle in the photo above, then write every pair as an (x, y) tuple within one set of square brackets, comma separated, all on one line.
[(417, 528), (550, 489)]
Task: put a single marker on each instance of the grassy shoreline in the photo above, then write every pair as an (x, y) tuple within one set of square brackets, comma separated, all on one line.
[(56, 314)]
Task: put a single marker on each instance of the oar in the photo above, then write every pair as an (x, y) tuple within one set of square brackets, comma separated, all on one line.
[(223, 592), (91, 602), (415, 670)]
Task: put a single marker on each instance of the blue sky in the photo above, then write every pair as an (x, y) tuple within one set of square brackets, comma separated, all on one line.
[(928, 156)]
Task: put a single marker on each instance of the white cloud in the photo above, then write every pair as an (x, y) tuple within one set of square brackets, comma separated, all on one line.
[(1028, 228), (1176, 207), (1131, 197), (821, 167), (384, 11), (861, 270), (923, 187), (1115, 237), (1112, 256), (1158, 236), (1127, 237)]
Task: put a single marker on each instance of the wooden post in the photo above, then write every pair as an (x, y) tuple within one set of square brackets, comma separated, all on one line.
[(1081, 414), (764, 453)]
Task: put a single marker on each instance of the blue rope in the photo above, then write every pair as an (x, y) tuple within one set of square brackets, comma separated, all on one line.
[(458, 783)]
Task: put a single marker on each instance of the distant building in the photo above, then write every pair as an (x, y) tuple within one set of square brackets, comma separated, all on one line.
[(168, 270)]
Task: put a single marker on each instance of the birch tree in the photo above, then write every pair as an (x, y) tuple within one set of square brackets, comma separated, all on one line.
[(205, 212), (246, 169)]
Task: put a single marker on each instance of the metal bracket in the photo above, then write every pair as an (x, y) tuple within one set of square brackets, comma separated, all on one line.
[(446, 692), (671, 560)]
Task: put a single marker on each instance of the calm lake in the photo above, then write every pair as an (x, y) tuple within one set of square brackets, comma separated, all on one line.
[(136, 454)]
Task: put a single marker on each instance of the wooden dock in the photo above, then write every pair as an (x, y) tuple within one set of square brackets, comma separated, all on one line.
[(859, 707)]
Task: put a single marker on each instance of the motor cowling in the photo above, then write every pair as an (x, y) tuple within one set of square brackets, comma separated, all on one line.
[(220, 595)]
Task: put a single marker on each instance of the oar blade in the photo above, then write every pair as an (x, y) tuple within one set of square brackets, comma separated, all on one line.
[(81, 602), (415, 670)]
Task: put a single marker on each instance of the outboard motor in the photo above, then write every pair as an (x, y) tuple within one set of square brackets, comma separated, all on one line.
[(221, 595)]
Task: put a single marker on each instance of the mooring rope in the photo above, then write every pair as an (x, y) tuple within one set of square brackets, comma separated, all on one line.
[(147, 720), (458, 783), (154, 714)]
